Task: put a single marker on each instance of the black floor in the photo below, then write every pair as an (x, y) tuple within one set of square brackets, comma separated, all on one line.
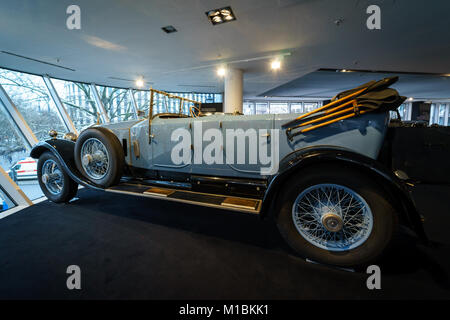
[(129, 247)]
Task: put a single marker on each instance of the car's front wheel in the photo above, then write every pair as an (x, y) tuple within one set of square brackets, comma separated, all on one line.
[(99, 156), (55, 183), (336, 215)]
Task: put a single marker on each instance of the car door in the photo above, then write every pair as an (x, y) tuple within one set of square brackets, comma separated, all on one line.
[(206, 133), (255, 132), (161, 144)]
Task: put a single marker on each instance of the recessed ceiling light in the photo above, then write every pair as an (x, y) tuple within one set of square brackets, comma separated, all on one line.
[(169, 29), (275, 64), (139, 83), (222, 15), (221, 72)]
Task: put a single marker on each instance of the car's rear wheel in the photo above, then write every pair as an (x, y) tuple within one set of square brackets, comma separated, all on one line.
[(336, 215), (55, 183), (99, 156)]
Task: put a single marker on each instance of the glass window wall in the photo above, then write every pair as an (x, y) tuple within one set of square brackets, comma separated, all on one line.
[(117, 103), (31, 97), (79, 102)]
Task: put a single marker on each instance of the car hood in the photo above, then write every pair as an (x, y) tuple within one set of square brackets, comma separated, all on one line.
[(120, 125)]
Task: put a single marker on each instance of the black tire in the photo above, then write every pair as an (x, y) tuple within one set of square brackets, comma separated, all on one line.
[(115, 154), (385, 218), (69, 187)]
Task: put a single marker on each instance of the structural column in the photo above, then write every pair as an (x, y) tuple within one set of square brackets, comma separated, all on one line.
[(234, 83)]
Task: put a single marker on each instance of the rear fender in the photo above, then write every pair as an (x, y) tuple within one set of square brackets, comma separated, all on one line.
[(398, 191)]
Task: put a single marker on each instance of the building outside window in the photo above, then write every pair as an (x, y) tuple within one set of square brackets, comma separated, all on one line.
[(297, 107), (310, 106), (261, 108), (117, 103), (78, 101), (249, 108), (163, 104), (279, 107), (142, 98), (13, 146), (14, 157), (440, 113), (31, 97)]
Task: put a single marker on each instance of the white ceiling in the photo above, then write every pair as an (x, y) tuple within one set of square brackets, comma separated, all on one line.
[(123, 39), (324, 84)]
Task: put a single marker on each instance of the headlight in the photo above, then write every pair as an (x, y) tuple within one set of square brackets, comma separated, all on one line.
[(70, 136)]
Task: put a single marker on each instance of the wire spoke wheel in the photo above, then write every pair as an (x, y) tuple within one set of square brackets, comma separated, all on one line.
[(94, 158), (52, 177), (332, 217)]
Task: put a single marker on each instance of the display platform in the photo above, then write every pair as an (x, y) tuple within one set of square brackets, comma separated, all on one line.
[(140, 248)]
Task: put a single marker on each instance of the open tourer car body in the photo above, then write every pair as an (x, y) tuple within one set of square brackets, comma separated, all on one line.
[(317, 174)]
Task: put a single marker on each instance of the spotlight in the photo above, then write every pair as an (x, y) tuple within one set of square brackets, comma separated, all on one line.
[(275, 64), (410, 99), (139, 83), (222, 15), (217, 19), (221, 71)]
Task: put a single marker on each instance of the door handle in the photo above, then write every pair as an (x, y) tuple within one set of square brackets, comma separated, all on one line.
[(265, 135)]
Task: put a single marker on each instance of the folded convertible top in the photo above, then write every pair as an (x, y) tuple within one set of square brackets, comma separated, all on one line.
[(376, 95), (373, 96)]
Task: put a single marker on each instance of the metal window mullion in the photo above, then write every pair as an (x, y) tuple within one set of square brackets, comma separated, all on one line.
[(12, 190), (408, 111), (99, 103), (446, 114), (133, 103), (60, 106), (17, 118), (430, 122)]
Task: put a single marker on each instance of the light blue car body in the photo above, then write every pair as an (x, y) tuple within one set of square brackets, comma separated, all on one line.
[(362, 134)]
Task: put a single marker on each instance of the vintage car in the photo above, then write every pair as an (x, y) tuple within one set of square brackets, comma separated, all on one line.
[(316, 174)]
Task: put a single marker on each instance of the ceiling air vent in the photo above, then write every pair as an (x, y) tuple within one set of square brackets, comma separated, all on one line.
[(169, 29)]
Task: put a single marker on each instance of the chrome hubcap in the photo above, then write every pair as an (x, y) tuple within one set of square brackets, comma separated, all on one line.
[(94, 158), (332, 222), (87, 159), (52, 177), (332, 217)]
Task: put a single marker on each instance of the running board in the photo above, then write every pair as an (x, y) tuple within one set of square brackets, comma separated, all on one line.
[(240, 204)]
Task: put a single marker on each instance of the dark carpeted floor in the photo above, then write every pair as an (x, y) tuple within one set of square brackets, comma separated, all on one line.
[(130, 247)]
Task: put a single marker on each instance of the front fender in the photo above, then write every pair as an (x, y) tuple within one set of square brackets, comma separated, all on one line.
[(64, 151), (302, 159)]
